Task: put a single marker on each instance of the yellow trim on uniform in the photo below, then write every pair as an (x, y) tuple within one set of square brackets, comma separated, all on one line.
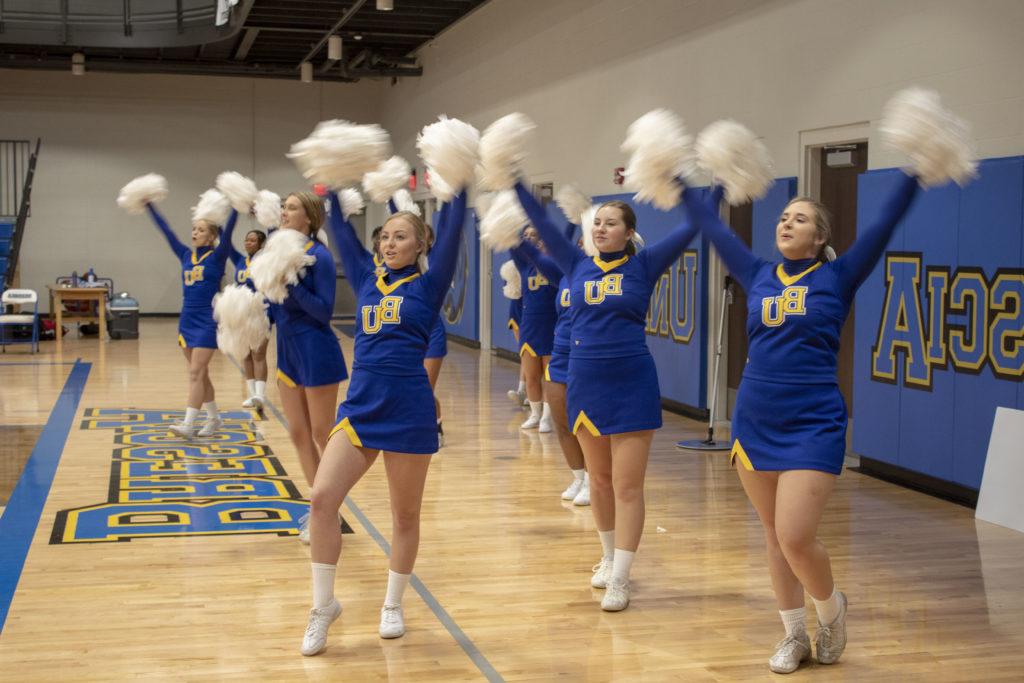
[(547, 375), (346, 426), (181, 342), (790, 279), (583, 421), (605, 266), (513, 325), (201, 258), (525, 348), (288, 381), (378, 261), (309, 245), (387, 289), (738, 452)]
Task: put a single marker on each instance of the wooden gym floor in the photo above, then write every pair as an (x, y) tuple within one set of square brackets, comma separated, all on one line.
[(502, 589)]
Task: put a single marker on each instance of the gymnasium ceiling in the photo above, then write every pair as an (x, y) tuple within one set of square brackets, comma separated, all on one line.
[(262, 38)]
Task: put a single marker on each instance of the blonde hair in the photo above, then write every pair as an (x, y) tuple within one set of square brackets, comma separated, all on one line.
[(822, 223), (313, 205), (418, 226)]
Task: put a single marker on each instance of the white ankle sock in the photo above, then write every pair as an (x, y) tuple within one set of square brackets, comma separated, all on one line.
[(546, 415), (522, 386), (579, 474), (190, 415), (827, 609), (323, 583), (535, 408), (607, 543), (211, 410), (622, 564), (261, 388), (396, 587), (250, 386), (795, 620)]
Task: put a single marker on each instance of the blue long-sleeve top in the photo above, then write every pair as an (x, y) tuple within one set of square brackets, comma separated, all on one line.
[(310, 302), (796, 308), (241, 262), (610, 293), (202, 269), (539, 290), (563, 301), (397, 309)]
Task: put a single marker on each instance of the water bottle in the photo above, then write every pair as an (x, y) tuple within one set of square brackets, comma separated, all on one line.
[(90, 277), (74, 278)]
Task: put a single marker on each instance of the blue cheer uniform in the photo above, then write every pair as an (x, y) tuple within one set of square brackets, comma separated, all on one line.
[(515, 315), (308, 354), (789, 411), (390, 405), (201, 273), (243, 277), (537, 326), (612, 381)]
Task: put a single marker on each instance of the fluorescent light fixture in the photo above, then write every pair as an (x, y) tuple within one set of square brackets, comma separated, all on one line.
[(306, 72), (78, 64), (385, 5), (334, 48)]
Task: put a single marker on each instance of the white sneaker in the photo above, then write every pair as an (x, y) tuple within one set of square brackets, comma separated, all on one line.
[(250, 402), (392, 625), (616, 596), (830, 640), (583, 497), (790, 653), (573, 490), (602, 572), (320, 619), (211, 427), (531, 422), (545, 425), (185, 431), (516, 396)]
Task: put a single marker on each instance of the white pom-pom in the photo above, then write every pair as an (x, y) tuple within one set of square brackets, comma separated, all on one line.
[(242, 323), (937, 141), (572, 202), (736, 159), (513, 288), (501, 227), (280, 263), (339, 153), (213, 207), (450, 148), (502, 151), (390, 177), (239, 190), (587, 225), (146, 189), (660, 151), (404, 202), (483, 203), (351, 202), (830, 253), (321, 236), (267, 208)]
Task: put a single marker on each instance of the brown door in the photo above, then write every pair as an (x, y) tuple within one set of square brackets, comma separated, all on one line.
[(839, 194), (741, 219)]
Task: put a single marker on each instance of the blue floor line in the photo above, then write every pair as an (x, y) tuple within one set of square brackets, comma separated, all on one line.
[(20, 519)]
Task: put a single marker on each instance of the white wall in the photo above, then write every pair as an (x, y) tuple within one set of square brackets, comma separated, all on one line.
[(101, 130), (585, 69)]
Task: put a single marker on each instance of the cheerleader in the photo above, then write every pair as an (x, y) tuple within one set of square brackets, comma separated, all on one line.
[(536, 333), (789, 427), (310, 364), (515, 317), (613, 397), (202, 268), (255, 364), (437, 349), (556, 373), (388, 407)]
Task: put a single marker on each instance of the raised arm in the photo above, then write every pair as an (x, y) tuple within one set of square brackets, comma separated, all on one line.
[(315, 293), (224, 248), (356, 261), (547, 266), (445, 253), (238, 259), (177, 247), (392, 207), (855, 265), (665, 251), (738, 258), (564, 252)]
